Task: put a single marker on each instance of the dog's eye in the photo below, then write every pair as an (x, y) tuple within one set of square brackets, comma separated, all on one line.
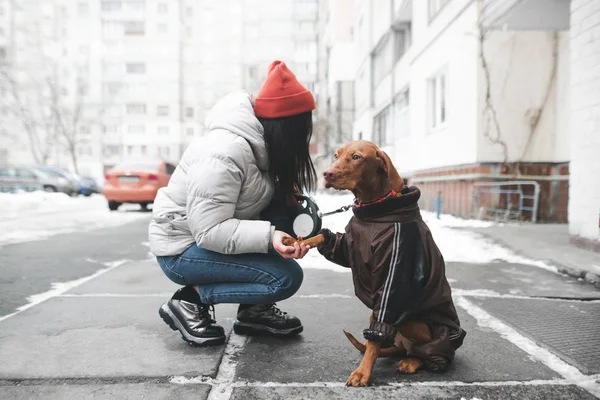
[(335, 156), (355, 156)]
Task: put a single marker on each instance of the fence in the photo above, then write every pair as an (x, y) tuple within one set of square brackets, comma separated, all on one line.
[(512, 200)]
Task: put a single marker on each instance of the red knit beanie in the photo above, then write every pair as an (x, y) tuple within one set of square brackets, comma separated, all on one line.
[(281, 95)]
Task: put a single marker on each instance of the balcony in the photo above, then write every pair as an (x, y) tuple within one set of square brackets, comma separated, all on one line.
[(526, 14), (402, 13)]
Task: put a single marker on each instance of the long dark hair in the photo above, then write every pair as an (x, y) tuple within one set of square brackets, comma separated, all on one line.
[(287, 142)]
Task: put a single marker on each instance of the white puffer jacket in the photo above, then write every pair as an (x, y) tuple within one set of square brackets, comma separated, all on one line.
[(219, 188)]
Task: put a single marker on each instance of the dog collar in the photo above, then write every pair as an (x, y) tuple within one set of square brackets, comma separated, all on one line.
[(391, 193)]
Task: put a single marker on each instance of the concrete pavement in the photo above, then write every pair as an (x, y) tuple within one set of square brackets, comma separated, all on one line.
[(102, 338)]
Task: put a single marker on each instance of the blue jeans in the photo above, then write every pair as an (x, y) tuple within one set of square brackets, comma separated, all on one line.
[(238, 278)]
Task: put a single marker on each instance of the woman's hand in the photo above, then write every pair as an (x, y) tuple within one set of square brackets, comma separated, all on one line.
[(296, 251)]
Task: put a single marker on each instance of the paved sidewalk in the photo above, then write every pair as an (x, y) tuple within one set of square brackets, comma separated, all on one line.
[(103, 339), (549, 243)]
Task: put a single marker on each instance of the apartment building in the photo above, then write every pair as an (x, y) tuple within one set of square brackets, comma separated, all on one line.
[(577, 124), (453, 106), (283, 30), (335, 82)]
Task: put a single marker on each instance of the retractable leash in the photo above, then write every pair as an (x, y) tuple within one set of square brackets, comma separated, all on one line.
[(309, 220)]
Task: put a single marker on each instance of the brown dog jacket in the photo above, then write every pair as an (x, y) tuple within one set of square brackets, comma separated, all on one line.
[(398, 272)]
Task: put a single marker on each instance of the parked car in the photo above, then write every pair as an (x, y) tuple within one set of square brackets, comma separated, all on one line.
[(14, 179), (68, 182), (136, 182), (22, 177), (87, 186)]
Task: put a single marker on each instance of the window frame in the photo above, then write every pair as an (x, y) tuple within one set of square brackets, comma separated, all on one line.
[(437, 100)]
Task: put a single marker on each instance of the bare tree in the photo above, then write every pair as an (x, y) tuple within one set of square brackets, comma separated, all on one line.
[(67, 116), (23, 104)]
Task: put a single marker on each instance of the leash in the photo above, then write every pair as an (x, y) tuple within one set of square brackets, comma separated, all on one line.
[(339, 210)]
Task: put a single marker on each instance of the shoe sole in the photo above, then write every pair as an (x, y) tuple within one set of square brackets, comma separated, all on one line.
[(244, 328), (171, 320)]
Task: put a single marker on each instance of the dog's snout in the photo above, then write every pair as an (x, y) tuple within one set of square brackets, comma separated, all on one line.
[(329, 174)]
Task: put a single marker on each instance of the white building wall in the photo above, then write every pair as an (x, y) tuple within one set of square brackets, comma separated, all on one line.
[(447, 43), (526, 70), (584, 190)]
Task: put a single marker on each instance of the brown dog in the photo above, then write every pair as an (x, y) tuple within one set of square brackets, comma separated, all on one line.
[(397, 269)]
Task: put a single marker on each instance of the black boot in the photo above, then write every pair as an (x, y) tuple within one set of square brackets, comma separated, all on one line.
[(186, 313), (265, 319)]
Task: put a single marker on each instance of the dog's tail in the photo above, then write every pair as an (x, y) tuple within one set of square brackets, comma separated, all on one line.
[(387, 352)]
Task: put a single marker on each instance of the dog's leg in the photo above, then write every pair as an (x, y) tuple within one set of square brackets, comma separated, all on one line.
[(362, 375), (385, 352), (413, 332), (410, 365)]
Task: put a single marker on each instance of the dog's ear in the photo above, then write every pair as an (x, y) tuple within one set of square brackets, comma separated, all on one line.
[(388, 167)]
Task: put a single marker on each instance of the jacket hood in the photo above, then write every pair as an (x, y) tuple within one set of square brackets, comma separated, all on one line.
[(402, 208), (235, 113)]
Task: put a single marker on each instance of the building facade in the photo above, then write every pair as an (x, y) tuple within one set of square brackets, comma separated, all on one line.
[(455, 103), (135, 79), (580, 108), (335, 83)]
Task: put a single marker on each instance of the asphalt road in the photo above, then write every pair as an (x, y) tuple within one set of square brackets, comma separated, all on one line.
[(100, 336)]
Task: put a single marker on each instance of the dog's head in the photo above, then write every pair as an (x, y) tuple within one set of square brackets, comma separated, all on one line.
[(361, 167)]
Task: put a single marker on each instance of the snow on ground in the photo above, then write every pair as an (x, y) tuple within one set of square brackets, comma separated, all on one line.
[(32, 216), (456, 243)]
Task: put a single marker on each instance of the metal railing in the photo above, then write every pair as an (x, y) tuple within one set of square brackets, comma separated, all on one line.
[(506, 200)]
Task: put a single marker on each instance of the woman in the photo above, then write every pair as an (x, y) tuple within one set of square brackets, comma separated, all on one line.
[(218, 226)]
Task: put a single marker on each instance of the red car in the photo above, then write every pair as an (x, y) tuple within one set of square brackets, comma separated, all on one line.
[(135, 182)]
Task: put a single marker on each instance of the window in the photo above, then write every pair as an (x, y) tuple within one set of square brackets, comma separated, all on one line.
[(401, 43), (134, 28), (111, 5), (162, 28), (163, 130), (401, 114), (135, 5), (164, 151), (162, 111), (130, 150), (136, 129), (163, 8), (189, 11), (136, 68), (85, 150), (435, 7), (25, 173), (136, 109), (109, 129), (84, 129), (144, 149), (112, 88), (437, 96), (382, 60), (252, 72), (110, 150), (113, 110), (382, 128), (112, 29), (83, 9), (189, 131), (189, 112), (188, 31)]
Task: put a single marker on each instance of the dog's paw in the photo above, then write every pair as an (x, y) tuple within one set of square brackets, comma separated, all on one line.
[(358, 379), (288, 241), (409, 365)]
